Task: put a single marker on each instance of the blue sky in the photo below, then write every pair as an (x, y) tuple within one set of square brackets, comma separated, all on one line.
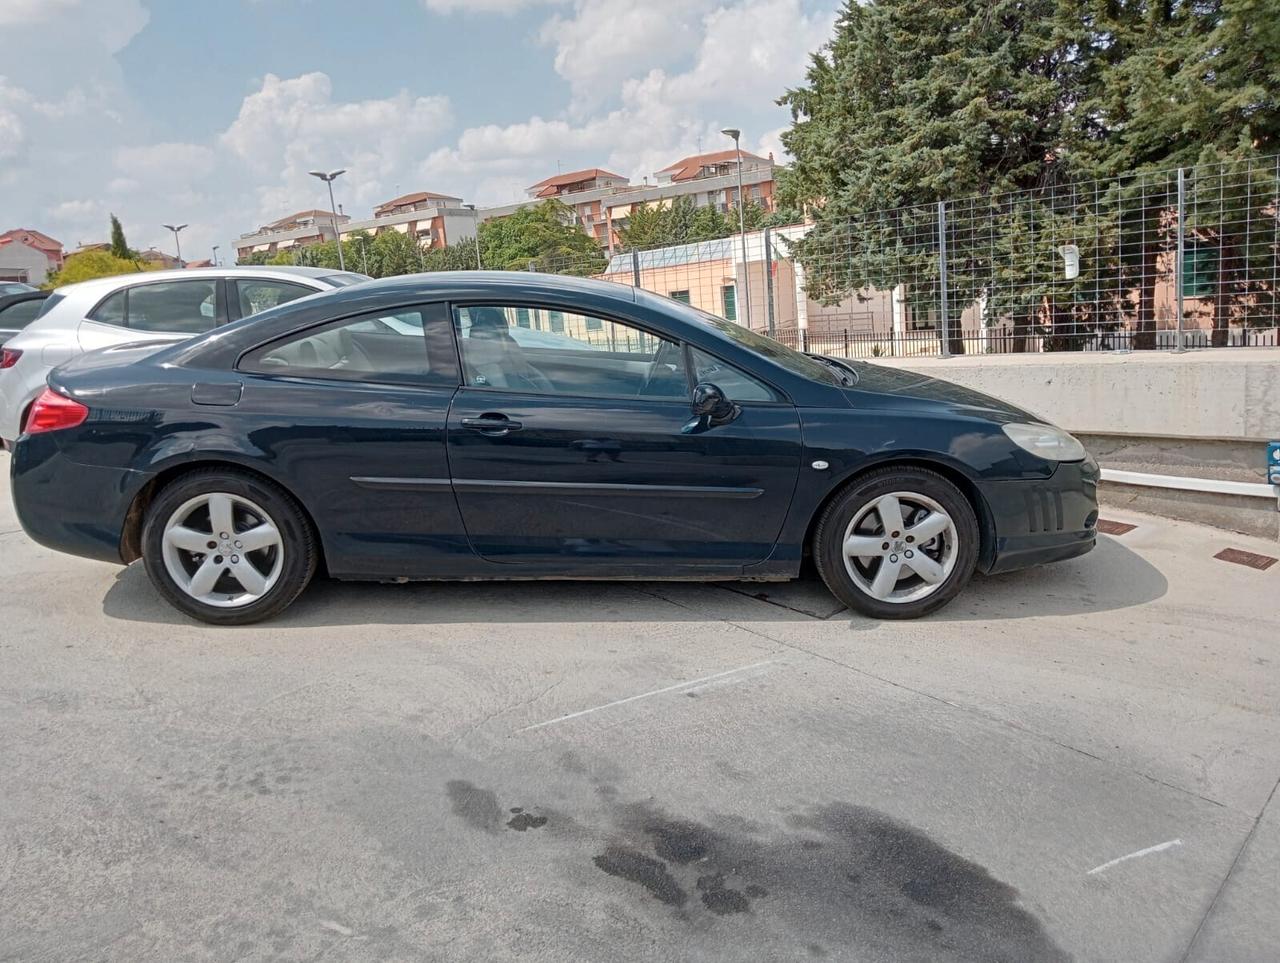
[(212, 112)]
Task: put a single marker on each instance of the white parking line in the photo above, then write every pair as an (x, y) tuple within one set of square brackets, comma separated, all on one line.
[(645, 695), (1157, 848)]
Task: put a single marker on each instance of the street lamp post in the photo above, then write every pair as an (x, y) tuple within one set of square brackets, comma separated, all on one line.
[(742, 223), (476, 215), (329, 178), (215, 255), (176, 243)]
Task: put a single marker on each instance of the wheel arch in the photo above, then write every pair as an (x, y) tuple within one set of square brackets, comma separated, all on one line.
[(939, 466), (131, 534)]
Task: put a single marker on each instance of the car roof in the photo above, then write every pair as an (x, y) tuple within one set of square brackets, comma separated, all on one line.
[(101, 286)]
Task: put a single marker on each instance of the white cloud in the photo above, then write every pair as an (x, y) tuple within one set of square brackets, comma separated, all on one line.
[(165, 162), (481, 6), (76, 211), (291, 126), (649, 82), (747, 53)]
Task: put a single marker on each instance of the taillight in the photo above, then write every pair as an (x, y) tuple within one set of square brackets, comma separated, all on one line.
[(53, 412), (9, 357)]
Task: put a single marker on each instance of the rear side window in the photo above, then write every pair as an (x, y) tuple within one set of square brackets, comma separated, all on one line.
[(176, 307), (19, 314), (186, 307), (112, 310), (410, 346)]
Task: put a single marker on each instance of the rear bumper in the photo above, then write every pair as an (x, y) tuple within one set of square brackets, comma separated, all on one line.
[(1043, 520), (70, 507)]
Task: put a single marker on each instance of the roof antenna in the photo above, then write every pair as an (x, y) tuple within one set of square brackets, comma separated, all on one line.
[(559, 170)]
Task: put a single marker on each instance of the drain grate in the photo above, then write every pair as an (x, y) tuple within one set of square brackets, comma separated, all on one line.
[(1250, 559), (1107, 527)]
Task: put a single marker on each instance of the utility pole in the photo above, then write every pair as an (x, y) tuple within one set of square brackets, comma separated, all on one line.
[(742, 224)]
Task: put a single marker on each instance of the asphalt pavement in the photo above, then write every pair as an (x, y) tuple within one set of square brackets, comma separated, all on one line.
[(1075, 762)]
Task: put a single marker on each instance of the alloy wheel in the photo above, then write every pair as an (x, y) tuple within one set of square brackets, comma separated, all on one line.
[(900, 547), (222, 549)]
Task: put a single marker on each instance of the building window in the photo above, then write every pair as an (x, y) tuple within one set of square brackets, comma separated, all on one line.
[(522, 318), (729, 299), (681, 296), (555, 320)]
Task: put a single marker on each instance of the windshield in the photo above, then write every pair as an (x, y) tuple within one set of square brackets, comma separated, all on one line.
[(793, 361)]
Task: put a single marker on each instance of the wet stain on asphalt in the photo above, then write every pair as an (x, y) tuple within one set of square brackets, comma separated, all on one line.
[(478, 807), (525, 821), (636, 867), (846, 874)]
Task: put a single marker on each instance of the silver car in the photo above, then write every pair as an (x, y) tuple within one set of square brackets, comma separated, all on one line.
[(154, 306)]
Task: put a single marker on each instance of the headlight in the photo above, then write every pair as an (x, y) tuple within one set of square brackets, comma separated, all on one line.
[(1045, 441)]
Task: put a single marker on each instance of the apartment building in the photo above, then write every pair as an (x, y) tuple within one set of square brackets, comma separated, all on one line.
[(599, 200), (433, 220), (296, 230), (28, 255), (602, 201)]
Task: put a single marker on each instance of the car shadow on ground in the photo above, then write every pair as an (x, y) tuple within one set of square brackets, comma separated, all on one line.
[(1111, 577)]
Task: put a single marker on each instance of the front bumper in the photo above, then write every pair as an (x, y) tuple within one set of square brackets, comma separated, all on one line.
[(1043, 520), (70, 507)]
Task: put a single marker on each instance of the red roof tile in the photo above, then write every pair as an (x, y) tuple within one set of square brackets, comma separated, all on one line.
[(547, 187), (688, 168)]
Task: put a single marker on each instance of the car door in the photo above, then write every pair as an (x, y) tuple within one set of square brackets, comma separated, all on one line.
[(353, 413), (574, 451), (170, 310)]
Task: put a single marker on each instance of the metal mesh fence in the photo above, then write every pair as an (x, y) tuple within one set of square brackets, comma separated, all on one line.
[(1181, 258)]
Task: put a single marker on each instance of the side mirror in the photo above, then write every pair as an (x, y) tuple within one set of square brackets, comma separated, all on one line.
[(710, 408)]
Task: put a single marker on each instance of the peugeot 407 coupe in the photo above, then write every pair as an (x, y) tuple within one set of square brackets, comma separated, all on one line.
[(412, 428)]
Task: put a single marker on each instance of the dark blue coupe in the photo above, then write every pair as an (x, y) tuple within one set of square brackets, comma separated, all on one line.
[(497, 426)]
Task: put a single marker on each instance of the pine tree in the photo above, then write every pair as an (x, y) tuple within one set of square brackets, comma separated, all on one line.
[(119, 248), (913, 102)]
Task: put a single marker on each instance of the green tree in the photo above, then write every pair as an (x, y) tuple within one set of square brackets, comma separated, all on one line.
[(89, 265), (914, 102), (119, 247), (255, 258), (1180, 85), (541, 237)]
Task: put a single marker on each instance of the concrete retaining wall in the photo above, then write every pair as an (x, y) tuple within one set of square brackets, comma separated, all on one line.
[(1203, 414)]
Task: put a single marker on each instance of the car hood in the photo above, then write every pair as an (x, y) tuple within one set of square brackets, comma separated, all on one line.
[(895, 387)]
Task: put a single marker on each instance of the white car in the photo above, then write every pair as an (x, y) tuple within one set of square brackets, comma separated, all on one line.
[(154, 306)]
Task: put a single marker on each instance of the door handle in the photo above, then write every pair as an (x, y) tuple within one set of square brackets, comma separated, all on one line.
[(491, 424)]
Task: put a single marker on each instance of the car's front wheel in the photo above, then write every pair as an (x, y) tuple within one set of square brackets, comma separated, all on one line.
[(226, 547), (898, 543)]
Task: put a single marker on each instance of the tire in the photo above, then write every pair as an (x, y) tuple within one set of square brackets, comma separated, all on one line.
[(886, 582), (263, 563)]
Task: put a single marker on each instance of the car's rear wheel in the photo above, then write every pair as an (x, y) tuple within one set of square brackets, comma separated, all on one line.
[(898, 543), (226, 547)]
